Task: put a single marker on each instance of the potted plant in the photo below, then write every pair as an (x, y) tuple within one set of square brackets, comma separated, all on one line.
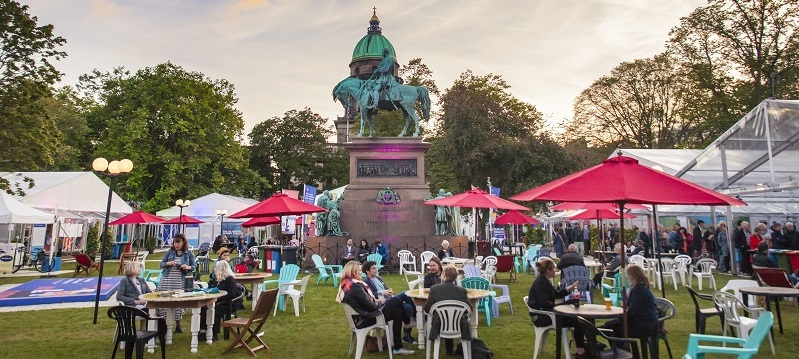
[(93, 241), (149, 244)]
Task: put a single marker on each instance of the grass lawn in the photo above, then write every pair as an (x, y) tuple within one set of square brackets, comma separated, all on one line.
[(322, 331)]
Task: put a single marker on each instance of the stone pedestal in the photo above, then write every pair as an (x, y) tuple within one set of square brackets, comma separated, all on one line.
[(388, 163)]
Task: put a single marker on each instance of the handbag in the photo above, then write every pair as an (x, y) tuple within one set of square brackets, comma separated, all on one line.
[(371, 343)]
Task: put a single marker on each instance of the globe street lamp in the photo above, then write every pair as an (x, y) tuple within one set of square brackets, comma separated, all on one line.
[(112, 170), (182, 204), (221, 213)]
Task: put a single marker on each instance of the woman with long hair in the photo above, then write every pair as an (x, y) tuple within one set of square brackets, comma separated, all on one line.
[(224, 280), (542, 297), (435, 267), (686, 241), (177, 263), (363, 251), (642, 312), (355, 293)]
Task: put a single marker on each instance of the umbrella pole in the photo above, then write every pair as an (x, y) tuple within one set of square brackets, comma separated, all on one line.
[(623, 252), (655, 234)]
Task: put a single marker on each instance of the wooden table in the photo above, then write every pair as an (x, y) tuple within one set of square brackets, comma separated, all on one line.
[(770, 293), (590, 312), (419, 297), (155, 301), (256, 279)]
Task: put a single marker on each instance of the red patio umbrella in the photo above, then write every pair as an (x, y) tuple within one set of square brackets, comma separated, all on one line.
[(600, 214), (137, 217), (515, 218), (476, 198), (591, 205), (261, 221), (183, 219), (623, 180), (277, 205)]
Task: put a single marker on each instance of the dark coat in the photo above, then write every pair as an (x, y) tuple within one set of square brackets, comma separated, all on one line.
[(127, 292), (642, 312), (571, 259), (448, 291), (542, 297), (697, 239), (431, 279), (441, 254), (763, 260), (793, 239), (362, 302)]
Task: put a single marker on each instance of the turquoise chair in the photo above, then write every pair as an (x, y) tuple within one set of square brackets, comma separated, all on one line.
[(517, 263), (288, 274), (529, 258), (485, 304), (748, 347), (377, 258), (614, 291), (326, 271)]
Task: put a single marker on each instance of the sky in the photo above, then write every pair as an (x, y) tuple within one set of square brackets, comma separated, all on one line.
[(286, 55)]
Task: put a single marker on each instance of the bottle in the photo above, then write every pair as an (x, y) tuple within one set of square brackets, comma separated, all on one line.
[(576, 296), (188, 280)]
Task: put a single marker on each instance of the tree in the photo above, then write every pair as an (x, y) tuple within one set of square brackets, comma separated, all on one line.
[(483, 131), (728, 50), (29, 139), (180, 129), (67, 111), (638, 105), (291, 150)]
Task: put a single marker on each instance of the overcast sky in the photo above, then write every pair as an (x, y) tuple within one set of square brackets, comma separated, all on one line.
[(284, 55)]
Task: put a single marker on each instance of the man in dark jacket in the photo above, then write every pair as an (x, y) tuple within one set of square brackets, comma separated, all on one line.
[(791, 236), (778, 239), (448, 290), (739, 238), (571, 258), (697, 243)]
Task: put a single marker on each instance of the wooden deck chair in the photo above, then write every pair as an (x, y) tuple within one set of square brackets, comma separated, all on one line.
[(84, 264), (251, 326)]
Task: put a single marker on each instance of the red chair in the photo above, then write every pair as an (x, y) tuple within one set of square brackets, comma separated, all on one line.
[(505, 265), (84, 264), (773, 277)]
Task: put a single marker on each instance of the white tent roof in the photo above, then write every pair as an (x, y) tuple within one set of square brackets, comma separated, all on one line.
[(69, 191), (13, 211), (756, 159), (205, 207)]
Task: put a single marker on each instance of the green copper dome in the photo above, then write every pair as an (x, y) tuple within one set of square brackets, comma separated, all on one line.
[(372, 45)]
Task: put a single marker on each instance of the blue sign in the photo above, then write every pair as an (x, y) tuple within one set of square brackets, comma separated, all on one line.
[(499, 233), (38, 225), (494, 191), (308, 194)]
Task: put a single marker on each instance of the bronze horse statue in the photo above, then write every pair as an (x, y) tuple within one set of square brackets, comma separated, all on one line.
[(353, 92)]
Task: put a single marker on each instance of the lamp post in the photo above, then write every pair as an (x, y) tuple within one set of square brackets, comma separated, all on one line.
[(221, 213), (111, 170), (182, 204)]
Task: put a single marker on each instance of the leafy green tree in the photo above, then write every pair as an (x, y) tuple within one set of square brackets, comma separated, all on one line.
[(291, 150), (637, 105), (728, 50), (67, 111), (483, 131), (28, 140), (180, 129)]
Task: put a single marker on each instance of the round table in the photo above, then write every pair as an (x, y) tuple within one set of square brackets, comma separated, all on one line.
[(770, 293), (419, 297), (590, 312), (172, 300), (256, 279)]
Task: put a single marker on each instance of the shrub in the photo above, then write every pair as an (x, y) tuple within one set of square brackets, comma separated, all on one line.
[(149, 244), (93, 240)]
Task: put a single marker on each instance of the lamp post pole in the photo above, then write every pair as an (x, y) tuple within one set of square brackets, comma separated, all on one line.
[(112, 171), (182, 204), (221, 213)]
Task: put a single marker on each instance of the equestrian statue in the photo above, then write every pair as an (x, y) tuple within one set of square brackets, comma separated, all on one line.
[(382, 91)]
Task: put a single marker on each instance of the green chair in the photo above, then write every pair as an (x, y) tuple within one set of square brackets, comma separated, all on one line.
[(485, 304), (517, 264), (203, 268), (288, 274), (326, 271), (377, 258), (748, 347), (614, 291)]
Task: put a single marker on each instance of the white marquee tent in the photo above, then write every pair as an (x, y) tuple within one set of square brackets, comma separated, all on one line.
[(73, 194), (13, 211)]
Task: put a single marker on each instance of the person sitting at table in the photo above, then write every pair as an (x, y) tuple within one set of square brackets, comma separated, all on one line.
[(381, 290), (363, 251), (218, 242), (177, 263), (379, 248), (355, 293), (611, 268), (132, 287), (571, 258), (542, 297), (448, 290), (348, 253), (638, 248), (241, 245), (762, 257), (642, 312), (445, 251), (252, 243), (226, 305), (433, 277)]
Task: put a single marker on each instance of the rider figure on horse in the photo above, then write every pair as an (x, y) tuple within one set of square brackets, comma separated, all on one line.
[(384, 79)]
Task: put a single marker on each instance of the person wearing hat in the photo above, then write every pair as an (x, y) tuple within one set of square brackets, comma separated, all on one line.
[(224, 255), (697, 243)]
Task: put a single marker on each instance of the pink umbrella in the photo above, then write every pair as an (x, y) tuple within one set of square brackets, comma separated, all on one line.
[(261, 221), (137, 217), (476, 198), (183, 219), (516, 218)]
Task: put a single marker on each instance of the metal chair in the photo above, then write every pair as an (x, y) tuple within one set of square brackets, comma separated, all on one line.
[(449, 314)]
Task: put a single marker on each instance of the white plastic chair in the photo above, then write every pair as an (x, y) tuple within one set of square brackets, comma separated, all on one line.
[(406, 258), (425, 258), (360, 334), (735, 286), (470, 270), (412, 283), (666, 268), (729, 305), (489, 261), (638, 260), (541, 332), (449, 313), (703, 269), (296, 295), (683, 263), (489, 273)]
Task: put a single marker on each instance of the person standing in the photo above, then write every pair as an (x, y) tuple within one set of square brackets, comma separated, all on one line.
[(586, 240), (448, 290), (177, 263), (741, 240), (722, 241), (558, 242), (778, 240), (696, 251)]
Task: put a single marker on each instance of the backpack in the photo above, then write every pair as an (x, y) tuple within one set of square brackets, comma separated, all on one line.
[(479, 350)]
